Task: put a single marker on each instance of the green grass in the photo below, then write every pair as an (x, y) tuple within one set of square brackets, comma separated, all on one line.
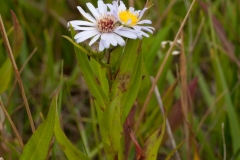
[(212, 53)]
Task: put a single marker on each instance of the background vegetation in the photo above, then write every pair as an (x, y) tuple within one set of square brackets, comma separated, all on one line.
[(210, 43)]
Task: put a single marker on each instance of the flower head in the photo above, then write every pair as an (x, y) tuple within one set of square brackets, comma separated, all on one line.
[(101, 25), (131, 17)]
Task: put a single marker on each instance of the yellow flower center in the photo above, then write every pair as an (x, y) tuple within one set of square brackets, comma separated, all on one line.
[(125, 16)]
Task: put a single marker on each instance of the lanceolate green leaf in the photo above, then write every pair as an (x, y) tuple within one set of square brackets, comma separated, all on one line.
[(154, 141), (18, 35), (116, 56), (130, 95), (90, 77), (101, 72), (38, 145), (111, 128), (76, 45), (122, 81), (5, 76), (68, 148)]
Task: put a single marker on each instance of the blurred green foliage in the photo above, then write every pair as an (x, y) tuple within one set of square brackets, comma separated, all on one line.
[(211, 39)]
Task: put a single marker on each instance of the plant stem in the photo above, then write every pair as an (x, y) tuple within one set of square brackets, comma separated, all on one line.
[(169, 130)]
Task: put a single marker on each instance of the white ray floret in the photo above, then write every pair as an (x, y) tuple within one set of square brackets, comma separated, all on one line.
[(131, 17), (101, 25)]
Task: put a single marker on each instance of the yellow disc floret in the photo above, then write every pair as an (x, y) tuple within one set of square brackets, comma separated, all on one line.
[(126, 16)]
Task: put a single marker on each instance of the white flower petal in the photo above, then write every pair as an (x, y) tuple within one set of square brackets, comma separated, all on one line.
[(149, 27), (86, 15), (106, 43), (104, 36), (142, 12), (129, 29), (111, 6), (112, 39), (119, 27), (114, 9), (119, 39), (146, 29), (126, 34), (93, 10), (144, 34), (105, 40), (77, 28), (145, 22), (84, 33), (139, 36), (81, 34), (102, 8), (80, 23), (135, 31), (138, 28), (122, 6), (85, 37), (137, 12), (131, 9), (101, 45), (94, 39)]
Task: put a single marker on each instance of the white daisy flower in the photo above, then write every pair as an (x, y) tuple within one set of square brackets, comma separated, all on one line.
[(131, 17), (101, 25)]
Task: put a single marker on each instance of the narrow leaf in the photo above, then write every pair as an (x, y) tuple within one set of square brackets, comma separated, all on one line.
[(76, 45), (122, 81), (101, 72), (129, 97), (116, 57), (111, 128), (154, 141), (18, 35), (38, 145), (90, 77)]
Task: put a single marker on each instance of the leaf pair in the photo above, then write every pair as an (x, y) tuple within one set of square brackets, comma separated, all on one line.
[(111, 129)]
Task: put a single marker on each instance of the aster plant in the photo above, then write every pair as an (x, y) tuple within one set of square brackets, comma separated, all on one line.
[(108, 49)]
